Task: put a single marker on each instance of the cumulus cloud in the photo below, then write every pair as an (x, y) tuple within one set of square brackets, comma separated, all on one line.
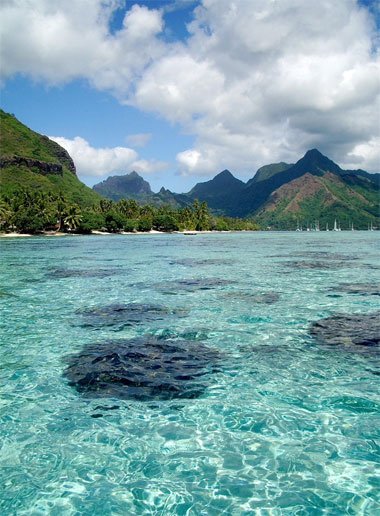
[(255, 82), (138, 139), (59, 41), (367, 154), (99, 162), (144, 166), (270, 81), (90, 161)]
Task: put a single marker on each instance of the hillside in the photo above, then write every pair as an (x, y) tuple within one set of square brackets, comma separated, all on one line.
[(31, 160), (133, 186), (268, 171), (117, 187), (220, 193), (280, 194), (316, 189)]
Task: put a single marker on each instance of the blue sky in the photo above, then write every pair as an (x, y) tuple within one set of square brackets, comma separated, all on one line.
[(76, 109), (180, 90)]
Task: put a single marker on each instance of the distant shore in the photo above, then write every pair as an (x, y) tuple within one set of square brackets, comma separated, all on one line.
[(151, 232), (96, 232)]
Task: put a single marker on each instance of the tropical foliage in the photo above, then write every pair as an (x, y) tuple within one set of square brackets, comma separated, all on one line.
[(28, 211)]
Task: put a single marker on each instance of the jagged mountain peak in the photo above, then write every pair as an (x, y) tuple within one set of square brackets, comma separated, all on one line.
[(116, 187), (315, 163), (222, 180), (224, 173)]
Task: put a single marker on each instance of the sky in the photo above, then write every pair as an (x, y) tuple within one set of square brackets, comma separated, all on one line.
[(180, 90)]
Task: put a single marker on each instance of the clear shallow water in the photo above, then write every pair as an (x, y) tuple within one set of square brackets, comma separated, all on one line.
[(283, 425)]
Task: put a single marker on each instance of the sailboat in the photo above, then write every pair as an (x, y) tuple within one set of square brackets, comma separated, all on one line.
[(327, 226), (370, 228), (335, 226), (317, 225), (352, 226)]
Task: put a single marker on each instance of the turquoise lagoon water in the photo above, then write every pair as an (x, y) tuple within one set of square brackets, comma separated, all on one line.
[(278, 423)]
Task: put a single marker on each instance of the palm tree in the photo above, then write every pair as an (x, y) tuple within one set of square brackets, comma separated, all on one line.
[(129, 208), (147, 210), (73, 217), (106, 205), (60, 208), (5, 212)]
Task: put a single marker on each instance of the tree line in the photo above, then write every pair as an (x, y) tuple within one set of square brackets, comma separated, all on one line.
[(28, 211)]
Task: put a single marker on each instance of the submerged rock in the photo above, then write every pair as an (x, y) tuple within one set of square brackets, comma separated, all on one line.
[(325, 255), (317, 265), (3, 293), (121, 316), (362, 289), (348, 330), (192, 262), (142, 369), (83, 273), (191, 285), (260, 298)]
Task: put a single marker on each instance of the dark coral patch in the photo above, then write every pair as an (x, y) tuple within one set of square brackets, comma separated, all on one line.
[(142, 369), (349, 331), (317, 264), (325, 255), (192, 262), (259, 298), (120, 315), (361, 289), (83, 273), (191, 285)]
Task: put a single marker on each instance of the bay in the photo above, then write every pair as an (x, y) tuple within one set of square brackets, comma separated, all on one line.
[(175, 375)]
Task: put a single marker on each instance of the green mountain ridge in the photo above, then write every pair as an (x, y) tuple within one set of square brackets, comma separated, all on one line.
[(280, 195), (133, 186), (268, 171), (115, 187), (31, 160)]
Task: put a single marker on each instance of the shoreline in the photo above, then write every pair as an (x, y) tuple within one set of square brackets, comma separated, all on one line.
[(152, 232), (104, 233)]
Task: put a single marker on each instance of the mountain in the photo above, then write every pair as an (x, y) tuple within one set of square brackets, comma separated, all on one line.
[(220, 193), (280, 194), (317, 189), (133, 186), (268, 171), (31, 160), (256, 195), (219, 186), (118, 187)]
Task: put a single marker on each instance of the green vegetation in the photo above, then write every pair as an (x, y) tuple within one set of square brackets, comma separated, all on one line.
[(40, 190), (19, 140), (355, 202), (13, 178), (28, 211), (32, 161), (268, 171)]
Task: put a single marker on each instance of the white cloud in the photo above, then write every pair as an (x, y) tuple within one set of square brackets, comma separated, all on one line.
[(98, 162), (255, 82), (138, 139), (59, 41), (90, 161), (144, 166), (365, 155), (269, 82)]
